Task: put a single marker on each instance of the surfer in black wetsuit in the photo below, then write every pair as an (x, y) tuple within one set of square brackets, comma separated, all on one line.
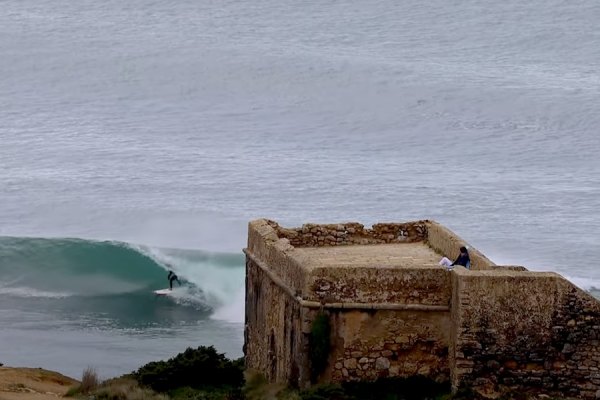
[(172, 277)]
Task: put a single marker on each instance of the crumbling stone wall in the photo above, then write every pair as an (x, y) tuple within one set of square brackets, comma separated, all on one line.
[(524, 330), (384, 343), (351, 233)]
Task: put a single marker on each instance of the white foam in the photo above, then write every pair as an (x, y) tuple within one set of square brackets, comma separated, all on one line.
[(585, 283), (233, 312), (215, 286), (23, 291)]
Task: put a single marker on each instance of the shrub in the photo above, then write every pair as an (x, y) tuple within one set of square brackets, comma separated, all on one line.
[(324, 392), (124, 388), (72, 392), (212, 393), (257, 388), (89, 380), (195, 368)]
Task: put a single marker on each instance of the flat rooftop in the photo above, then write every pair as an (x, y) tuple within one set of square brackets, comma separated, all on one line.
[(396, 255)]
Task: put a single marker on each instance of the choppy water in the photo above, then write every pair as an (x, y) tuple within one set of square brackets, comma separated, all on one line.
[(159, 126)]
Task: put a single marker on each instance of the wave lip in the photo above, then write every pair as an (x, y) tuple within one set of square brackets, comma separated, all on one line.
[(212, 280)]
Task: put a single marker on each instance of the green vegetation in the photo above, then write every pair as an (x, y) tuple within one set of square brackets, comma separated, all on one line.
[(201, 368), (89, 380), (257, 388), (89, 383), (413, 388), (124, 388), (320, 344), (204, 374), (195, 374)]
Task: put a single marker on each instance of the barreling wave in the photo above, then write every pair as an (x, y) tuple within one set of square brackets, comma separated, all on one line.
[(59, 268)]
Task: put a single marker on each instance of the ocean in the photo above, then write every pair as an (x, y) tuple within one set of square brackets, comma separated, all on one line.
[(142, 136)]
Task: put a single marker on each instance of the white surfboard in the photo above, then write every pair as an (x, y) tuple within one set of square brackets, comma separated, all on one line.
[(162, 292)]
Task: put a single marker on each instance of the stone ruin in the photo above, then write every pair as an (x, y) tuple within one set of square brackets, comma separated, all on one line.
[(392, 311)]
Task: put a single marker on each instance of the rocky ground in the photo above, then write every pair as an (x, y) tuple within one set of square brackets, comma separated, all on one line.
[(33, 384)]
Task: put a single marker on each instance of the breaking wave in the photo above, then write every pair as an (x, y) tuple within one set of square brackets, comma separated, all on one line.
[(86, 271)]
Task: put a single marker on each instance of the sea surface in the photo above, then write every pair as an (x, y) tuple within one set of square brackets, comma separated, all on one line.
[(140, 136)]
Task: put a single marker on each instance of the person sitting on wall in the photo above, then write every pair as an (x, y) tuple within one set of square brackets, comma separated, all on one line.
[(462, 259)]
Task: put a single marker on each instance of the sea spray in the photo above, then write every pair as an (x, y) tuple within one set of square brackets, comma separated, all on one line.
[(214, 279)]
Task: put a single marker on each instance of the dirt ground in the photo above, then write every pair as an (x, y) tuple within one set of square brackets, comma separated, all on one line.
[(33, 384)]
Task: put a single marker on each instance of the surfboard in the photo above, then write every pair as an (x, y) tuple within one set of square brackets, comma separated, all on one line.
[(162, 292)]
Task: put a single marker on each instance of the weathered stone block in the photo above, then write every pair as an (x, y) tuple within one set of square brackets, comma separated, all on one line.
[(402, 339), (424, 370), (382, 363), (568, 348)]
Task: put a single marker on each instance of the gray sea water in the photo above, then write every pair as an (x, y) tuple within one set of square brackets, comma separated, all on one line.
[(167, 125)]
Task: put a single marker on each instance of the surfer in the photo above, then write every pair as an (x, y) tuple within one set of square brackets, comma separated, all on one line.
[(172, 277)]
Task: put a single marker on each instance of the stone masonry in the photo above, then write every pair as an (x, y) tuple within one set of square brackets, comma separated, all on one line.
[(394, 312)]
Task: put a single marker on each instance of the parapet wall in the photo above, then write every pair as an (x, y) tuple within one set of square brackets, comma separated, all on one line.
[(265, 245), (425, 286), (524, 329), (352, 233), (446, 242)]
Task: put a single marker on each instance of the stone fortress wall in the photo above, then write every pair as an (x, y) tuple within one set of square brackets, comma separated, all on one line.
[(394, 312)]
